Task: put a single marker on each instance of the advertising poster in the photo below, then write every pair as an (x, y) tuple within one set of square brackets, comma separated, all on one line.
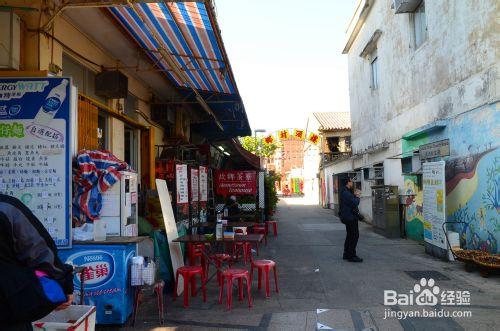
[(35, 147), (434, 209), (203, 181), (229, 182), (194, 196), (182, 193)]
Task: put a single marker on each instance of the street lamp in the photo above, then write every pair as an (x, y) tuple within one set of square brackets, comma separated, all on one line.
[(255, 139)]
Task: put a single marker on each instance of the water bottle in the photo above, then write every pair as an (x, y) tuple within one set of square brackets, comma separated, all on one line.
[(52, 103), (218, 230), (226, 212)]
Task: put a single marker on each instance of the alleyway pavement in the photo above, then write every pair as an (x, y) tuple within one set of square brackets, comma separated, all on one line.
[(319, 290)]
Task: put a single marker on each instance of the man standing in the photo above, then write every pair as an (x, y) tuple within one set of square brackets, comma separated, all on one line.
[(349, 202), (27, 254)]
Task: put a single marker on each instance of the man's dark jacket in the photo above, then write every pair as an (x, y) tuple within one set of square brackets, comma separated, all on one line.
[(348, 205)]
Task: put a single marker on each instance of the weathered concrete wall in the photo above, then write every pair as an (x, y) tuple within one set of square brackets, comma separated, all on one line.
[(453, 71)]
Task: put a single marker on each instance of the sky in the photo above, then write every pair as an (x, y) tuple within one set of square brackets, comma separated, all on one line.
[(286, 56)]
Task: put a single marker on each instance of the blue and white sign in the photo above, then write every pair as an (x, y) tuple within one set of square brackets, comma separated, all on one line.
[(35, 145), (99, 268)]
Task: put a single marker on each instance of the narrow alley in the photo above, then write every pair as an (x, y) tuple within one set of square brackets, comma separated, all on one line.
[(319, 290)]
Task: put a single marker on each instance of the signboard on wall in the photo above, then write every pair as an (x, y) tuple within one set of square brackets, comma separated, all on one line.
[(35, 149), (434, 203), (435, 149), (182, 182), (230, 182), (194, 185)]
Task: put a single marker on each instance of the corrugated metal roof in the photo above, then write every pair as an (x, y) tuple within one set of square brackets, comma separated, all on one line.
[(334, 120)]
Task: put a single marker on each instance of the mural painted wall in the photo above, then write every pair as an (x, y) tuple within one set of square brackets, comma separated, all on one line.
[(472, 179)]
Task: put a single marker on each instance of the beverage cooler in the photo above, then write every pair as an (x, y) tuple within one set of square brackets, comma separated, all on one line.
[(119, 207)]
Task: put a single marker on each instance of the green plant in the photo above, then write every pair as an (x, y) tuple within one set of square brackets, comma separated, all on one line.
[(256, 146), (271, 194)]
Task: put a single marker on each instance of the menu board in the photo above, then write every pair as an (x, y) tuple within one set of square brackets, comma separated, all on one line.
[(194, 185), (203, 184), (35, 145), (181, 177), (434, 209)]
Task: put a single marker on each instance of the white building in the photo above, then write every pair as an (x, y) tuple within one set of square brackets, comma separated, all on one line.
[(421, 71)]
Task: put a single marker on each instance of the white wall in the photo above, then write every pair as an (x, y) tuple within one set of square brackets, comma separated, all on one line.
[(453, 71)]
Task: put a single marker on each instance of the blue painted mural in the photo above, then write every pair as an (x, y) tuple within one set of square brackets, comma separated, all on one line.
[(472, 178)]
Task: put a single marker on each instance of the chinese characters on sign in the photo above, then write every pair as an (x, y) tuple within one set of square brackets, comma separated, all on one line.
[(181, 176), (434, 149), (203, 184), (236, 182), (35, 149), (434, 202)]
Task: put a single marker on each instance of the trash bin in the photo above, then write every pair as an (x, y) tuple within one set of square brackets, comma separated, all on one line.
[(74, 318)]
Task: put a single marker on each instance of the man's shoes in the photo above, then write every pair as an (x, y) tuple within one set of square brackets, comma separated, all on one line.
[(355, 259)]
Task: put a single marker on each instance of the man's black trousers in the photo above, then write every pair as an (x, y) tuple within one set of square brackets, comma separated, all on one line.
[(351, 238)]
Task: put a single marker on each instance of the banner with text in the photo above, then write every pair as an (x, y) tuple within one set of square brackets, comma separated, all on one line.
[(434, 208), (232, 182)]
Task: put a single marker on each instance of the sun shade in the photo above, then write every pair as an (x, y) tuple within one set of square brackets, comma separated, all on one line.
[(186, 32)]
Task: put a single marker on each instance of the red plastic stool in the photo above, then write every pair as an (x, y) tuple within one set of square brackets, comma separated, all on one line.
[(230, 275), (275, 227), (243, 249), (189, 273), (195, 252), (261, 229), (218, 259), (265, 265)]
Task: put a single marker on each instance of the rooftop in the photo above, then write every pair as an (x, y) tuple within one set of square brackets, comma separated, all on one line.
[(333, 120)]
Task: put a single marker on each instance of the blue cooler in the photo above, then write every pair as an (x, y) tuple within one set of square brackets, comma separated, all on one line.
[(107, 278)]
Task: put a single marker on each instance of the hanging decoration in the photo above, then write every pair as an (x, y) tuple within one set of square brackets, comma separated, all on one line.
[(298, 134)]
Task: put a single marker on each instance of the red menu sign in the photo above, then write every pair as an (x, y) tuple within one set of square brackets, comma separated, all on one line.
[(229, 182)]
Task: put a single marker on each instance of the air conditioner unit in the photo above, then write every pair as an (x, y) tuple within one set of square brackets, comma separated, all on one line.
[(111, 84), (10, 40), (405, 6)]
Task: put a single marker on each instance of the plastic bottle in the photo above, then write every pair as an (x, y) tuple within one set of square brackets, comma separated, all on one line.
[(218, 230), (226, 212), (52, 103)]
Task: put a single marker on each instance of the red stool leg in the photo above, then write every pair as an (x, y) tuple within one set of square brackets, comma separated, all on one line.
[(229, 293), (260, 278), (266, 271), (251, 273), (186, 290), (193, 285), (276, 279), (249, 296), (275, 229)]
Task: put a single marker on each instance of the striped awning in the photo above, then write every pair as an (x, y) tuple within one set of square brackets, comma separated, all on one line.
[(187, 32)]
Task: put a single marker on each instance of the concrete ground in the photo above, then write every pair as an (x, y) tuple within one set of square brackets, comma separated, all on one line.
[(319, 290)]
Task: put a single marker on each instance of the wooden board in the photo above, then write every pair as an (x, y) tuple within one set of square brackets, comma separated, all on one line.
[(171, 230)]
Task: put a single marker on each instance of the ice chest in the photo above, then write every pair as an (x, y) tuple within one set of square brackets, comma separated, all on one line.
[(74, 318)]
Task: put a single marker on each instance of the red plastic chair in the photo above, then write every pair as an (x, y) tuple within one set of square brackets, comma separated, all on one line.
[(189, 273), (261, 229), (266, 266), (195, 252), (218, 259), (230, 275), (275, 226), (245, 248)]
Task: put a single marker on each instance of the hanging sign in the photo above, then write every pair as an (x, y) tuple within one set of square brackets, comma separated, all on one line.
[(299, 134), (313, 138), (35, 144), (283, 134), (434, 209), (181, 177), (268, 140), (203, 184), (435, 149), (194, 185), (230, 182)]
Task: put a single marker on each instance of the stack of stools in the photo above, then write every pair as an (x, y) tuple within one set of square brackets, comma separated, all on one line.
[(230, 275), (218, 259)]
